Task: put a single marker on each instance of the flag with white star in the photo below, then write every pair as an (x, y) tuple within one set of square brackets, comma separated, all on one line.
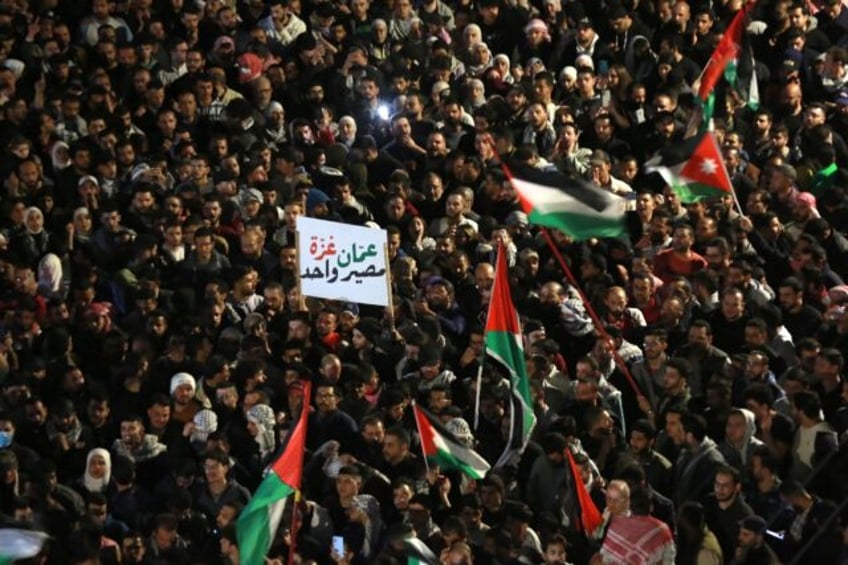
[(694, 169)]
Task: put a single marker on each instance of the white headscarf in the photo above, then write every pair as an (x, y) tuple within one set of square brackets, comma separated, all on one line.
[(97, 485), (59, 162), (50, 273), (27, 213)]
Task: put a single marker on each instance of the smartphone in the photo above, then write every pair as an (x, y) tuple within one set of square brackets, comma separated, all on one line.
[(776, 535), (338, 546), (603, 67)]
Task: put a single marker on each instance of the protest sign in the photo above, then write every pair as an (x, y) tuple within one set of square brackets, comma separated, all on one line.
[(342, 262)]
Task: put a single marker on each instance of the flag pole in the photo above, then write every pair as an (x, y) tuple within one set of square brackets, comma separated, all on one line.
[(389, 286), (477, 395), (418, 427), (295, 526), (590, 310), (301, 301), (571, 279)]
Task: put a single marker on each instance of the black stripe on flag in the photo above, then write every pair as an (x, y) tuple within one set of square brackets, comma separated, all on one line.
[(582, 190)]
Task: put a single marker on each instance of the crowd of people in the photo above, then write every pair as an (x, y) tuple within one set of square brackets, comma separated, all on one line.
[(154, 343)]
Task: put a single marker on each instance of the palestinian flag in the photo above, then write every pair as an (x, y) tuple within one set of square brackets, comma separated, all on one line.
[(19, 543), (727, 50), (571, 205), (503, 345), (587, 517), (694, 169), (258, 523), (417, 553), (442, 448)]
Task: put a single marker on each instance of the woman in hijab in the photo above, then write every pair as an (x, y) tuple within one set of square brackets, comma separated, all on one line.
[(536, 43), (98, 472), (502, 65), (481, 60), (32, 243), (347, 131)]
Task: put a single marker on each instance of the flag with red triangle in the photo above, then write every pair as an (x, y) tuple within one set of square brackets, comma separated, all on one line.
[(694, 169), (257, 526), (504, 348), (727, 50)]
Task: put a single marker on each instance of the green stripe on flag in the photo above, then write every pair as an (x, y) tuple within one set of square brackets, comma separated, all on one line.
[(503, 346), (259, 521)]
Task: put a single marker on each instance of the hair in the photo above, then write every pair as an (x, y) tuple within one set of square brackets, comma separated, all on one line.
[(166, 522), (640, 501), (681, 365), (400, 433), (768, 458), (694, 424), (702, 324), (644, 427), (760, 393), (217, 455), (731, 472), (808, 403), (833, 356)]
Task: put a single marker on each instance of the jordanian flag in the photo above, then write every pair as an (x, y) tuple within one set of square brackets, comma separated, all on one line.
[(572, 206), (443, 449), (18, 543), (417, 553), (694, 169), (504, 346), (727, 50), (258, 523)]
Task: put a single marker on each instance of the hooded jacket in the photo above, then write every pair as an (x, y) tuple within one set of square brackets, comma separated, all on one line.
[(739, 455)]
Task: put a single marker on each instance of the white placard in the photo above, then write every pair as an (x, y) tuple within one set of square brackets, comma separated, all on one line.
[(342, 262)]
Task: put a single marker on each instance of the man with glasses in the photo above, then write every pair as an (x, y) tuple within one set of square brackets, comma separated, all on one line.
[(327, 422)]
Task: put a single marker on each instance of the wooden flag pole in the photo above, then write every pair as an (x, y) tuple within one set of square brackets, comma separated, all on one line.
[(301, 301), (389, 286), (295, 526)]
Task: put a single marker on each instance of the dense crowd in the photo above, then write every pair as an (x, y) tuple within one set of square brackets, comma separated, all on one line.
[(154, 345)]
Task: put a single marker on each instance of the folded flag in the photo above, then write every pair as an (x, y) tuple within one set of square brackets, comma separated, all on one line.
[(442, 448), (258, 523), (571, 205), (694, 169)]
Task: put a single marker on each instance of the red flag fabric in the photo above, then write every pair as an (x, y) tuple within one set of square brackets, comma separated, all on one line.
[(727, 50), (590, 518)]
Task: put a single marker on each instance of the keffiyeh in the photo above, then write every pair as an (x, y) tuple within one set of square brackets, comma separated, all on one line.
[(263, 417)]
